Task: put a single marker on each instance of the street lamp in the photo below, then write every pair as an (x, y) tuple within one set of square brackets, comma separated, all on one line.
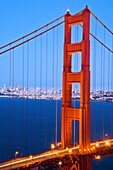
[(16, 153)]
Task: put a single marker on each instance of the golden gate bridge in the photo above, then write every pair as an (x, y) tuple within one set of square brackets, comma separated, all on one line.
[(41, 49)]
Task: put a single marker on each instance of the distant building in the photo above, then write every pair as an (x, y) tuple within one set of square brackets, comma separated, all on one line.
[(17, 86)]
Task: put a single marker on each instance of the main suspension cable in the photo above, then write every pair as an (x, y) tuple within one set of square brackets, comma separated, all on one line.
[(102, 23), (32, 32), (31, 38)]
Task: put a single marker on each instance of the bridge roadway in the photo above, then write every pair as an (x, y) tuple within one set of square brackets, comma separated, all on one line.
[(98, 149)]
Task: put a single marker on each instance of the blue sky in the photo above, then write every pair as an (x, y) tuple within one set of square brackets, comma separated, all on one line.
[(20, 17)]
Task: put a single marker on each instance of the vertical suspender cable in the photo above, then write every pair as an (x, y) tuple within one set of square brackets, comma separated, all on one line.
[(40, 93), (94, 85), (35, 97), (27, 94), (77, 33), (108, 88), (111, 83), (103, 80), (74, 88), (12, 104), (22, 102), (101, 96), (56, 81), (9, 104), (46, 90), (94, 91), (95, 70), (53, 88), (74, 116)]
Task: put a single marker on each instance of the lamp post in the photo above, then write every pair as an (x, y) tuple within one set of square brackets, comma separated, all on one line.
[(16, 153)]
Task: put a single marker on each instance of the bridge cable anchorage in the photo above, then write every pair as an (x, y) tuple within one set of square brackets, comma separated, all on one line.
[(32, 32)]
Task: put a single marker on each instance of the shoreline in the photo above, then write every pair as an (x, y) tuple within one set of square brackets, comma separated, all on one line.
[(48, 98)]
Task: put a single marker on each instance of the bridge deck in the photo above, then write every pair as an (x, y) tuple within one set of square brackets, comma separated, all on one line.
[(98, 149)]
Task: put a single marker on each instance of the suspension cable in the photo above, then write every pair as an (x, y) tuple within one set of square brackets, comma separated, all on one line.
[(99, 41), (32, 32), (102, 23), (31, 38)]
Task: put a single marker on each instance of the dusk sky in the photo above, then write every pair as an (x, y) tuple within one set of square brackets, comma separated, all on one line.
[(20, 17)]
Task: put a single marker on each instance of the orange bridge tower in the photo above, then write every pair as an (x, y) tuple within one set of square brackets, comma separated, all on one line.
[(83, 77)]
